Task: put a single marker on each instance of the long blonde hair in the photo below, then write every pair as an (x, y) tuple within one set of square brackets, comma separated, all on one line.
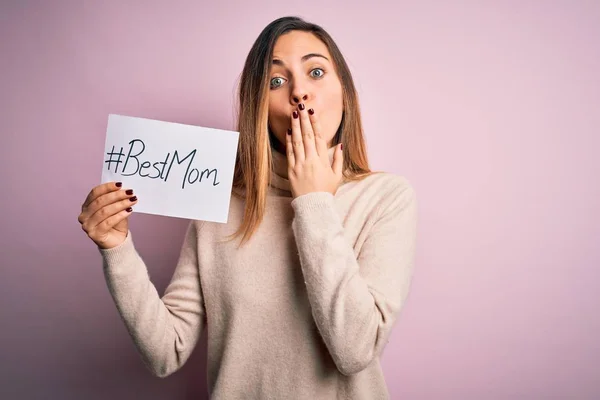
[(253, 166)]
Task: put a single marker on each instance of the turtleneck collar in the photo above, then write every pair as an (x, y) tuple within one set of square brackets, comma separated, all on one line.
[(279, 176)]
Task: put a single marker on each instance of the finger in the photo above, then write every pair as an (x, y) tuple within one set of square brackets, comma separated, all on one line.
[(109, 223), (95, 222), (102, 201), (101, 190), (338, 161), (308, 136), (289, 149), (297, 144), (320, 142)]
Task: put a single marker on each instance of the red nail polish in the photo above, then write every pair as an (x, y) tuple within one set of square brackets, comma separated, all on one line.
[(295, 114), (311, 111), (301, 106), (289, 131), (342, 146), (134, 198), (129, 209), (129, 192), (119, 184)]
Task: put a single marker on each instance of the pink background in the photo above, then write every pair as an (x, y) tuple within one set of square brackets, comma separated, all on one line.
[(491, 109)]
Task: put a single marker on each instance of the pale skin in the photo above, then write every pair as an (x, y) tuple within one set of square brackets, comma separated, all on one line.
[(104, 214), (305, 111), (304, 84)]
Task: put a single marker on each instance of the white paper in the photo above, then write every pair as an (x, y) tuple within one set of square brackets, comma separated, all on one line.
[(174, 169)]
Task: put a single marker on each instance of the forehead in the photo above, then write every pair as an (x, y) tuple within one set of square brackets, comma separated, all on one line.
[(296, 44)]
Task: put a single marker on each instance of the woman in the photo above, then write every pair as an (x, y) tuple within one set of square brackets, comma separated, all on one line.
[(299, 290)]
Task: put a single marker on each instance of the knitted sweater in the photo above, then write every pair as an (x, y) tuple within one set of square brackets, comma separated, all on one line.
[(302, 311)]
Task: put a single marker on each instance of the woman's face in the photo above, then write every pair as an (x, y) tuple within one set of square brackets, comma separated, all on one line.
[(303, 72)]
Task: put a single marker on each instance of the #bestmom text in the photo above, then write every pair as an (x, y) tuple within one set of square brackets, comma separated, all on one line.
[(132, 165)]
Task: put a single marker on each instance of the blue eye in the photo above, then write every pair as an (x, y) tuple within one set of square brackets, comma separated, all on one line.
[(320, 75), (276, 82)]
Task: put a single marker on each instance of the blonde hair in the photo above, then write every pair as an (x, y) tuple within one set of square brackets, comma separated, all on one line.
[(253, 166)]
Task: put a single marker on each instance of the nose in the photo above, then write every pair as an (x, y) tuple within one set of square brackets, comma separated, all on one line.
[(297, 97), (299, 93)]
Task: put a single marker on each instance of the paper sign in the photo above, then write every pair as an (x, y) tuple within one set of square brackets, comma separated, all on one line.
[(174, 169)]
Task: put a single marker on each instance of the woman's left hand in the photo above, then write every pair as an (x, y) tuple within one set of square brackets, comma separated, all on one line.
[(309, 169)]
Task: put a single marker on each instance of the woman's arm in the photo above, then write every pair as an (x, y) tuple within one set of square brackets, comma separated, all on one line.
[(165, 331), (355, 300)]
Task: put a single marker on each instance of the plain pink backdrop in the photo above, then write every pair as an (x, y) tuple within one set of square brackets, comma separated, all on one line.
[(490, 108)]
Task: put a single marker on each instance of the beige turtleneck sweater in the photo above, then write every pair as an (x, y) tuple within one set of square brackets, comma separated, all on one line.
[(302, 311)]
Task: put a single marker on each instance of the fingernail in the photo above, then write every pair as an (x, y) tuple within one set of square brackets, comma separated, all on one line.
[(129, 209), (342, 146), (311, 111), (301, 106), (134, 198), (289, 131), (295, 114), (119, 184), (129, 192)]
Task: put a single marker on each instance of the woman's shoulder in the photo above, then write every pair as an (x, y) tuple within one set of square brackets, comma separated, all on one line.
[(381, 183)]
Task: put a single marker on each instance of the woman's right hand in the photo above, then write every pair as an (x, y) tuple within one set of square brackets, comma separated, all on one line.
[(104, 214)]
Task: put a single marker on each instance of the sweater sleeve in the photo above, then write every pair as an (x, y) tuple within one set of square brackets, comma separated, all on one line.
[(355, 300), (164, 330)]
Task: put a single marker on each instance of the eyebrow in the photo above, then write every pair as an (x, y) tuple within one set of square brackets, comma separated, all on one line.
[(304, 58)]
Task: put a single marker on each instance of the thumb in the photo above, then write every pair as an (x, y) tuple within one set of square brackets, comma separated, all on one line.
[(338, 160)]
